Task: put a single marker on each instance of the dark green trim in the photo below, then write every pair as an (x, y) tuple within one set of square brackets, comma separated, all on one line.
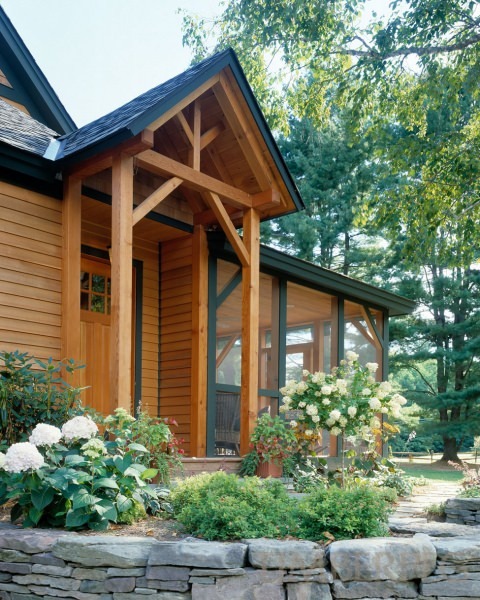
[(153, 216), (228, 289), (159, 377), (211, 354), (340, 329), (29, 170), (137, 369), (282, 333), (137, 396), (305, 273), (386, 335)]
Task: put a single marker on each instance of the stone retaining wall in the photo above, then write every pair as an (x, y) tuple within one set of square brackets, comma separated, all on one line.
[(45, 564), (463, 510)]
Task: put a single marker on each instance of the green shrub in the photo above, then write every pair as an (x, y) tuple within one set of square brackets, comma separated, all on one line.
[(221, 507), (31, 392), (154, 433), (343, 513)]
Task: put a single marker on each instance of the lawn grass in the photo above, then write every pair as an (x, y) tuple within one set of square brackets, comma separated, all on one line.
[(430, 472)]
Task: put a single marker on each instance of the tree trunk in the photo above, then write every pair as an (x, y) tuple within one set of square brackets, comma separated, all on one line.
[(450, 449)]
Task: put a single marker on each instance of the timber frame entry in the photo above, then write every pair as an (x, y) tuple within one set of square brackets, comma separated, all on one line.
[(186, 152)]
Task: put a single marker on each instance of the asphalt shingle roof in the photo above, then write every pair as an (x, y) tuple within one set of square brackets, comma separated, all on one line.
[(140, 107), (22, 131)]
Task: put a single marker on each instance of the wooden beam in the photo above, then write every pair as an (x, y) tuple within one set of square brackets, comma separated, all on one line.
[(185, 126), (271, 196), (154, 199), (250, 324), (184, 102), (71, 229), (228, 228), (163, 165), (197, 126), (210, 135), (121, 318), (198, 435), (104, 160), (243, 132)]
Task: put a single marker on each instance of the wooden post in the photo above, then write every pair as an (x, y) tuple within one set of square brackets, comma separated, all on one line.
[(71, 224), (250, 321), (121, 319), (198, 439)]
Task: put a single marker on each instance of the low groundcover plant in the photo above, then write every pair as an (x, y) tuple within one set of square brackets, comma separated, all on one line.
[(73, 478)]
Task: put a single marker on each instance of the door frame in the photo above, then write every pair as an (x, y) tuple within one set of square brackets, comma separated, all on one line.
[(137, 265)]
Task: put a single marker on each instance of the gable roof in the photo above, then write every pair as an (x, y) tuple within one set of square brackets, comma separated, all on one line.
[(133, 117), (28, 86), (22, 131)]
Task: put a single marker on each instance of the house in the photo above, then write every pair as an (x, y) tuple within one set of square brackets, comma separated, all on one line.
[(119, 248)]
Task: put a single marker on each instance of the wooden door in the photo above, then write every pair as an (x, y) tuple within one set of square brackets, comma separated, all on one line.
[(95, 309)]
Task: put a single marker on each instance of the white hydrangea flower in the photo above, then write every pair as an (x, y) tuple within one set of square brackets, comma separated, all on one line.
[(366, 392), (45, 435), (374, 403), (374, 423), (302, 404), (372, 367), (351, 356), (94, 448), (293, 424), (2, 460), (79, 428), (308, 432), (305, 373), (343, 421), (315, 418), (384, 410), (301, 387), (335, 431), (318, 377), (283, 408), (329, 422), (327, 390), (335, 414), (385, 386), (22, 457), (318, 394), (352, 411), (399, 399), (326, 402), (287, 400), (311, 409)]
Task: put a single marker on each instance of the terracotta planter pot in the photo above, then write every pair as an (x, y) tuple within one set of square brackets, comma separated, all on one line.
[(269, 469)]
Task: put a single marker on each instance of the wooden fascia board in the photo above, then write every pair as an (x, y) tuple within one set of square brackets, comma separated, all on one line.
[(163, 165), (141, 142)]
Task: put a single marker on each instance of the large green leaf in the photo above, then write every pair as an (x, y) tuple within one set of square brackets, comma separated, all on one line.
[(76, 518), (123, 503), (105, 482), (34, 515), (74, 459), (82, 499), (137, 447), (42, 498), (149, 474), (106, 509)]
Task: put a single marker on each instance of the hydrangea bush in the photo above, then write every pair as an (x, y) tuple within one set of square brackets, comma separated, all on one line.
[(345, 402), (71, 477)]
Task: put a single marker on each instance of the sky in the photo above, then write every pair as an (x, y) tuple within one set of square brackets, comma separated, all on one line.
[(99, 54)]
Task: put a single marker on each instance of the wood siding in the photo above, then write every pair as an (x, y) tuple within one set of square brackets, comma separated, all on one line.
[(30, 272), (176, 334)]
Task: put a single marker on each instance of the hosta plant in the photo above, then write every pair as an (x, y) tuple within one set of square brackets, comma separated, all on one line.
[(75, 479)]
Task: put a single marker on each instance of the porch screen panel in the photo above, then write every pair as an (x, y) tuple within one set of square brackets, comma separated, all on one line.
[(363, 332), (310, 332), (228, 356), (268, 350)]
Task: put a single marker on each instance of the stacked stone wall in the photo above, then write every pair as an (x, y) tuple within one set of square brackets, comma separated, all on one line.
[(52, 565), (464, 511)]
